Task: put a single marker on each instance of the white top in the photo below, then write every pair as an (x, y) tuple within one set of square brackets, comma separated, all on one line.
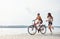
[(50, 19)]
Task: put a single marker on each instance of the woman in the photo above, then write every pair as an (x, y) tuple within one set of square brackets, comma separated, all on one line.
[(39, 21), (50, 20)]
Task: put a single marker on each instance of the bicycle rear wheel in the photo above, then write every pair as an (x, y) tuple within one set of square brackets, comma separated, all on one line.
[(32, 30), (43, 29)]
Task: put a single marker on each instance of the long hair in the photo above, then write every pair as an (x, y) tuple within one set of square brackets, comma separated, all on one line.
[(49, 15)]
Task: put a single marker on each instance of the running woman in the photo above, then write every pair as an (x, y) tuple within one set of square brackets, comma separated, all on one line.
[(50, 20)]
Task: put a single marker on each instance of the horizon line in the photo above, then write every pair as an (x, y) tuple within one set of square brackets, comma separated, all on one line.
[(21, 26)]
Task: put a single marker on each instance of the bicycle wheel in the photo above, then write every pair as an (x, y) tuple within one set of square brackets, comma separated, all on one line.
[(43, 29), (32, 30)]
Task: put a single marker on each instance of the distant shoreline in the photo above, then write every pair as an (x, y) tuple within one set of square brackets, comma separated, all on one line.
[(21, 26)]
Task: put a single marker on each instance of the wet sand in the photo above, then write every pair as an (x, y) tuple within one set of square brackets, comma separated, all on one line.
[(27, 36)]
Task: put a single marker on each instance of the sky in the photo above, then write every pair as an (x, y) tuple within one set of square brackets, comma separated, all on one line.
[(22, 12)]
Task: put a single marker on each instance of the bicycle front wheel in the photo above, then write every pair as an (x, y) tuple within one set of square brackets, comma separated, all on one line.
[(32, 30)]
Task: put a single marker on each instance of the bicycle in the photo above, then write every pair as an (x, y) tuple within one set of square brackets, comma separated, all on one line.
[(32, 29)]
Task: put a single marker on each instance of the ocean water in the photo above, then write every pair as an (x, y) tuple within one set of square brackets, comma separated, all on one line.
[(12, 31), (20, 30)]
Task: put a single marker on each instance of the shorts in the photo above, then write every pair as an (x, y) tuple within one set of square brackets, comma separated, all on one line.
[(49, 23)]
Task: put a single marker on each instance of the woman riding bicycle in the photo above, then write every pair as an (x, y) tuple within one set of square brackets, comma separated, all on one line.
[(37, 25), (39, 20)]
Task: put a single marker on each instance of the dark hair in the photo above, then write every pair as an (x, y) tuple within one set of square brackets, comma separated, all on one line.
[(49, 15), (38, 14)]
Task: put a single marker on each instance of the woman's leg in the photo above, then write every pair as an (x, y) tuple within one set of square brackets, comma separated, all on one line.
[(50, 28), (36, 24)]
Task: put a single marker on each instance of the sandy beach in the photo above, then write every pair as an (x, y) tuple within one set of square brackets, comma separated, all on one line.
[(27, 36), (21, 33)]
